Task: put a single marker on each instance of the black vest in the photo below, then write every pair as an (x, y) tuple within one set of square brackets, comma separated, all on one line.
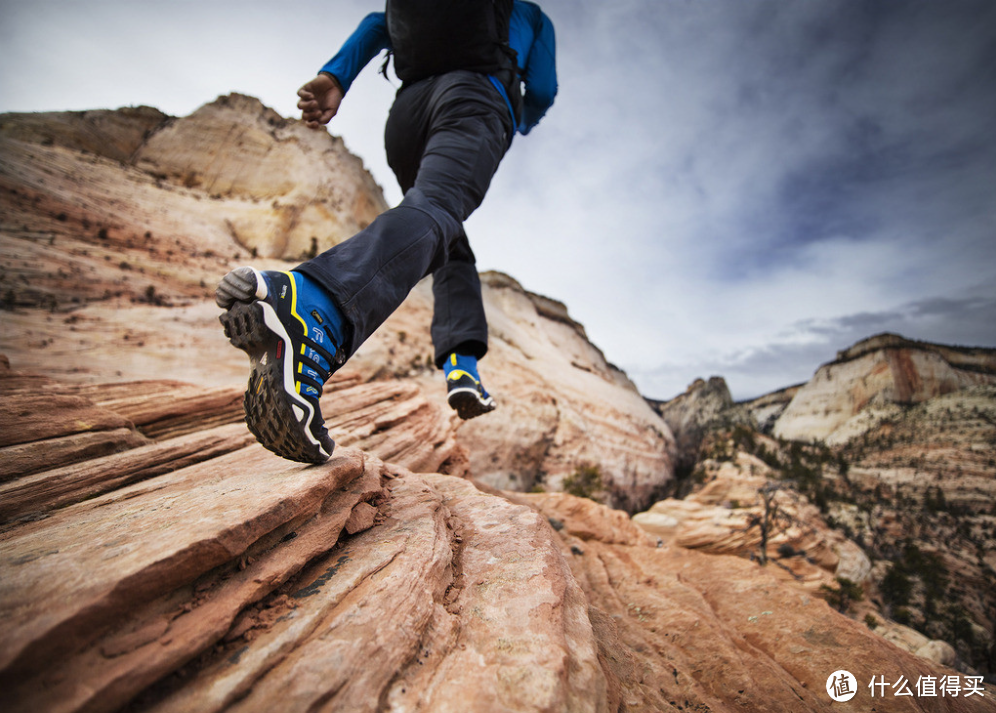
[(431, 37)]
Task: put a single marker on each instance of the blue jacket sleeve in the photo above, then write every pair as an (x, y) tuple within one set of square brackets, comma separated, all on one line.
[(366, 42), (531, 35)]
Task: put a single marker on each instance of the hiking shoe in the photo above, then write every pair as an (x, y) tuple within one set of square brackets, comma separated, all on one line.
[(464, 391), (291, 331)]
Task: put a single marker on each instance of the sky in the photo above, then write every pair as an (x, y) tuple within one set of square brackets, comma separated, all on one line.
[(737, 188)]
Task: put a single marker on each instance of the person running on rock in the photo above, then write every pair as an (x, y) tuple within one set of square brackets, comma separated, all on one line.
[(463, 68)]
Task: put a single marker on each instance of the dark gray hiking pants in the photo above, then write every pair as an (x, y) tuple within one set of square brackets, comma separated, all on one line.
[(445, 137)]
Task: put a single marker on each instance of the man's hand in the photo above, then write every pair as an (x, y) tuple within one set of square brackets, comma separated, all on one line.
[(320, 100)]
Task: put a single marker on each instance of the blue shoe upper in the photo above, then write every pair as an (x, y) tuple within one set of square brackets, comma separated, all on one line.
[(457, 365), (459, 362), (317, 318)]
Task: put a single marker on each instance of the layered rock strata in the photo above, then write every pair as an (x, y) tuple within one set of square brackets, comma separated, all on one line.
[(878, 372)]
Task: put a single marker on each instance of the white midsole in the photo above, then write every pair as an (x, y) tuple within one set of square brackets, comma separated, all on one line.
[(468, 390), (275, 325), (260, 284)]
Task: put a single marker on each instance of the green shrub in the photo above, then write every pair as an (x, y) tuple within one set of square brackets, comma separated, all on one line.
[(902, 616), (845, 593), (896, 586), (934, 500), (585, 482)]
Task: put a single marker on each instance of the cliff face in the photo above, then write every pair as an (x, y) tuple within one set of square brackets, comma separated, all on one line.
[(878, 372), (692, 413)]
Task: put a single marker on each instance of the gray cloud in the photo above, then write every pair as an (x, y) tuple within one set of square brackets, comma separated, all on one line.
[(794, 356)]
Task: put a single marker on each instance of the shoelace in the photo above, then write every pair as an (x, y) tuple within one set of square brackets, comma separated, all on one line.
[(314, 364)]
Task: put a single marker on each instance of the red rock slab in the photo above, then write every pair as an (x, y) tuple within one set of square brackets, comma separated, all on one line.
[(457, 601), (808, 640), (514, 634), (357, 615), (395, 422), (29, 416), (69, 578), (36, 456), (167, 409), (59, 487), (155, 640), (587, 520), (684, 628)]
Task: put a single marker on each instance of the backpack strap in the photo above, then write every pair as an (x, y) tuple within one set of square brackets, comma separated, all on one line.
[(387, 61)]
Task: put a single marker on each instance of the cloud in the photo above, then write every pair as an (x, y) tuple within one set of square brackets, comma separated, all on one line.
[(794, 354)]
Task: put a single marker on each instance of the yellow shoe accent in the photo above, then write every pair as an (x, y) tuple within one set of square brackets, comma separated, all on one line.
[(293, 309), (458, 373)]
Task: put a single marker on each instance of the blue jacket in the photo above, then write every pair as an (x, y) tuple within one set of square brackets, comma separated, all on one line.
[(530, 34)]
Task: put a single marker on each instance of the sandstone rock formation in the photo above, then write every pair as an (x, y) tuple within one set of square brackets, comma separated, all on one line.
[(561, 404), (725, 516), (906, 491), (203, 573), (115, 135), (764, 411), (707, 406), (744, 506), (921, 493), (690, 414), (296, 190), (589, 411), (767, 635), (913, 426), (879, 372), (274, 187)]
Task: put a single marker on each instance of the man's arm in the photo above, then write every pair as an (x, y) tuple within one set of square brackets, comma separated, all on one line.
[(320, 98)]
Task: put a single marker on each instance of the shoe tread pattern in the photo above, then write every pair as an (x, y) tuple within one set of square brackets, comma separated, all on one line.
[(469, 405), (269, 414)]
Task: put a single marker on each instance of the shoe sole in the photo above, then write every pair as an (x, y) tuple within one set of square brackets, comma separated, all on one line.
[(468, 403), (279, 422)]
